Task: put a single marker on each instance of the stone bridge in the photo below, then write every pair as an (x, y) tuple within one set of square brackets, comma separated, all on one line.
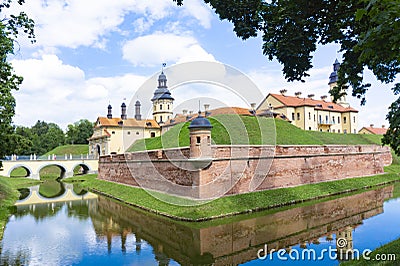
[(34, 196), (33, 167)]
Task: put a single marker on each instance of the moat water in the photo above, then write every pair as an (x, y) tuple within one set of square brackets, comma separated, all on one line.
[(92, 230)]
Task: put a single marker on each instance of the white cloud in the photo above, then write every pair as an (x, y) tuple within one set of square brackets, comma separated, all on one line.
[(74, 23), (60, 93), (152, 49)]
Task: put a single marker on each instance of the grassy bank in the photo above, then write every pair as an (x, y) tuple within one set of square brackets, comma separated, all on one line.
[(60, 151), (9, 194), (231, 129), (390, 248), (237, 204)]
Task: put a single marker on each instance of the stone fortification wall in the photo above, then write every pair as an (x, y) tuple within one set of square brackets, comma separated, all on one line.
[(241, 169)]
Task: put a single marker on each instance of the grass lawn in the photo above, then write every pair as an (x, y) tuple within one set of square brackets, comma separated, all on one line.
[(9, 194), (232, 129), (69, 149), (390, 248)]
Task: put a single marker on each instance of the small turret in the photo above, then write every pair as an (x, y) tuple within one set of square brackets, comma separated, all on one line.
[(200, 138), (109, 114), (123, 111), (138, 116)]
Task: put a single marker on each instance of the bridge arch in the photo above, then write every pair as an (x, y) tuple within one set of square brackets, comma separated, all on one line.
[(63, 169), (27, 168), (85, 168)]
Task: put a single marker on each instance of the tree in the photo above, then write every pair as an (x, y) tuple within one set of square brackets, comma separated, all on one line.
[(10, 27), (368, 32), (46, 136), (79, 132)]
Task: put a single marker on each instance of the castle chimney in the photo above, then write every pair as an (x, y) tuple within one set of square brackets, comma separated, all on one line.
[(138, 116), (310, 96), (283, 92), (323, 97), (123, 111), (298, 94), (190, 113), (383, 126), (253, 106), (109, 114), (371, 125), (206, 107), (184, 112)]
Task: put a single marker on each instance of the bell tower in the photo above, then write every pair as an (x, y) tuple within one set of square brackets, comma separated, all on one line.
[(333, 79), (162, 100)]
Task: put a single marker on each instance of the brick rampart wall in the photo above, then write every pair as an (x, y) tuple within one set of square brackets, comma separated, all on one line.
[(241, 169)]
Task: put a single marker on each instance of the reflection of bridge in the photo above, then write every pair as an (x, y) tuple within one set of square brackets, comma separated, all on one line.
[(33, 167), (69, 195)]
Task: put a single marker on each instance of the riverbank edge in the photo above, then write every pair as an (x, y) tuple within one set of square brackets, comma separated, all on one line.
[(351, 186), (9, 195), (389, 248)]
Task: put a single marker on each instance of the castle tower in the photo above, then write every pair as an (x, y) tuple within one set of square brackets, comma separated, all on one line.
[(200, 138), (162, 101), (344, 244), (333, 79)]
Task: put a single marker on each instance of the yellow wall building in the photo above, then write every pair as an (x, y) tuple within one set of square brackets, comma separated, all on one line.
[(115, 135), (311, 114)]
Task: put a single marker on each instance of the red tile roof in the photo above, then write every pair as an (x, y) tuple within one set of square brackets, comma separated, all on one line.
[(293, 101), (130, 122), (376, 130)]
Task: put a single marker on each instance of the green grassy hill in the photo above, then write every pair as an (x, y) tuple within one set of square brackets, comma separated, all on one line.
[(232, 129), (69, 149)]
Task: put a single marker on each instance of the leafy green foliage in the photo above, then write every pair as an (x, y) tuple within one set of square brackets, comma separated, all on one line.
[(368, 32), (79, 132), (10, 28)]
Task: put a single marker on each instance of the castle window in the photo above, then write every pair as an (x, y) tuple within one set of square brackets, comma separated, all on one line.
[(309, 128), (354, 119), (160, 106), (198, 140), (292, 116), (208, 140), (333, 119), (309, 115), (338, 119), (113, 132), (314, 117), (137, 132), (152, 134), (168, 106), (298, 116), (327, 119), (129, 132), (338, 131), (344, 120)]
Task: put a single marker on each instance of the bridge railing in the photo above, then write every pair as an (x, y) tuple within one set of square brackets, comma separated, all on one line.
[(52, 157)]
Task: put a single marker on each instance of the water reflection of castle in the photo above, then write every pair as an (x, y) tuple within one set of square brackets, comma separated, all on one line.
[(238, 242)]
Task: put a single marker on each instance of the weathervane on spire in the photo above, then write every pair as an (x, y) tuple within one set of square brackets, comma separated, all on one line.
[(162, 68)]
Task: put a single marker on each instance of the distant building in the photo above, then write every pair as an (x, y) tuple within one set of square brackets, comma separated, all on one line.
[(115, 135), (373, 130), (310, 114)]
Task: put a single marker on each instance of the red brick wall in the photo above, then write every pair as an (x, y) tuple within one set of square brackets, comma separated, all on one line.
[(241, 169)]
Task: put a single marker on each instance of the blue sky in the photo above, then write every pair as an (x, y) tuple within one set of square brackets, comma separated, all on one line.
[(95, 52)]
